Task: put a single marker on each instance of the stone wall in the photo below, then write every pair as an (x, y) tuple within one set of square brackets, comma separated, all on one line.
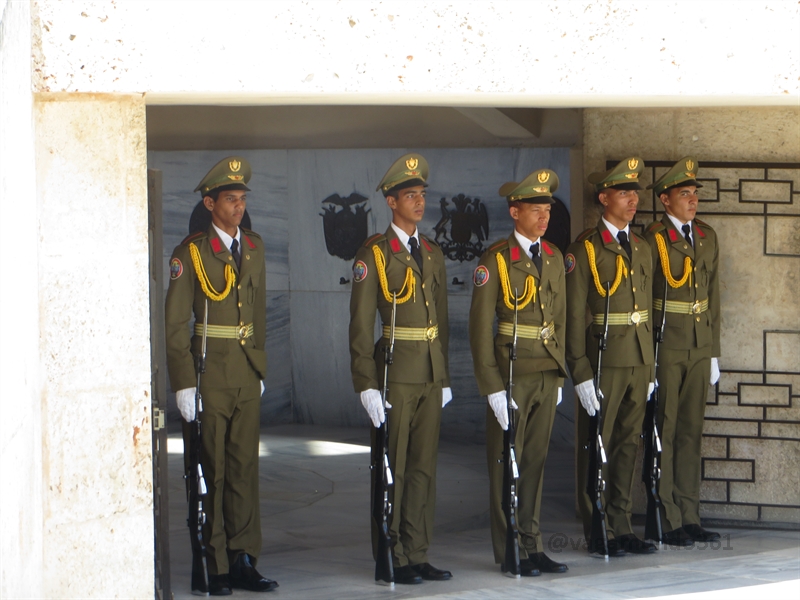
[(750, 167)]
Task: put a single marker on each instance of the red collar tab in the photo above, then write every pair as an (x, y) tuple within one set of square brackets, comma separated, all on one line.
[(699, 231), (634, 238), (515, 253), (216, 245), (673, 235), (425, 243), (607, 237), (250, 243), (547, 248), (395, 243)]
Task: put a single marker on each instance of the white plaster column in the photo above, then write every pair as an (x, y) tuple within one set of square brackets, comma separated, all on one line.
[(20, 414), (94, 346)]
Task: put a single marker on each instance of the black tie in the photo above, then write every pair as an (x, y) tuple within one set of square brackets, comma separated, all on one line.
[(236, 254), (623, 241), (536, 257), (687, 233), (415, 251)]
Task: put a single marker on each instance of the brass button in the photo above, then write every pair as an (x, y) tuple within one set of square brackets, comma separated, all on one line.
[(631, 271), (544, 323), (408, 258), (540, 288), (238, 287), (697, 319), (426, 303), (685, 246), (423, 286), (701, 243), (241, 342), (527, 264), (230, 258), (636, 247), (241, 323), (429, 258), (542, 306), (695, 285), (247, 256), (430, 322), (545, 342), (619, 247), (635, 307), (240, 305)]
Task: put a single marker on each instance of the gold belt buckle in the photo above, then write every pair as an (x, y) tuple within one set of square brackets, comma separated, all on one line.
[(430, 333), (547, 333), (636, 317), (241, 332), (696, 307)]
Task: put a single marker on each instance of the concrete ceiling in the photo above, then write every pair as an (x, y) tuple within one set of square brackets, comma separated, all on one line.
[(203, 127)]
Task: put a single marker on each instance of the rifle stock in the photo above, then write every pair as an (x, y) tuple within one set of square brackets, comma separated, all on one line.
[(196, 483), (651, 465), (382, 474), (596, 484), (510, 501)]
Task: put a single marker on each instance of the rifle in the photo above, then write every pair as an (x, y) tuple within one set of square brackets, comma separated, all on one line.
[(196, 483), (382, 474), (596, 485), (651, 469), (510, 501)]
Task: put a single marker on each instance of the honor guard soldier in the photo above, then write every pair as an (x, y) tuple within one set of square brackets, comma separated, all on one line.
[(223, 267), (410, 265), (527, 271), (686, 260), (611, 253)]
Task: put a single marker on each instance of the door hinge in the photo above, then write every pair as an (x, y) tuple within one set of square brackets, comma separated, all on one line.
[(159, 419)]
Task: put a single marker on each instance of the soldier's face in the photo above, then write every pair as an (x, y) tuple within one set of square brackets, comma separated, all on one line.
[(228, 210), (530, 219), (619, 206), (681, 202), (408, 207)]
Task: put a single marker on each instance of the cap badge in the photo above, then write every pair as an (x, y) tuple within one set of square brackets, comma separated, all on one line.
[(236, 177), (412, 163), (631, 175), (541, 189), (235, 165), (689, 165), (543, 176), (633, 163)]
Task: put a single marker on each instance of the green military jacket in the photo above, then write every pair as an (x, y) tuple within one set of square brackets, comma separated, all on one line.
[(229, 362), (549, 308), (628, 345), (688, 331), (419, 361)]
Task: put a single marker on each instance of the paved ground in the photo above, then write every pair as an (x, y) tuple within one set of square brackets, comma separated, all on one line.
[(315, 520)]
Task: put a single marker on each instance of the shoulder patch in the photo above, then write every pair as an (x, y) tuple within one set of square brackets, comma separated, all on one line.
[(359, 271), (375, 238), (175, 268), (498, 244), (585, 234), (194, 236), (569, 263), (546, 248), (481, 276), (655, 226)]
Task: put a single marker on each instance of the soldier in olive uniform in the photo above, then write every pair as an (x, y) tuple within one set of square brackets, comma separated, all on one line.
[(404, 262), (611, 253), (224, 268), (686, 262), (527, 263)]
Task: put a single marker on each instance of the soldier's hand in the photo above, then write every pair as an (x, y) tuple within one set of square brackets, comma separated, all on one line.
[(373, 403), (588, 397), (499, 403), (185, 399), (560, 396), (447, 395), (650, 387), (714, 371)]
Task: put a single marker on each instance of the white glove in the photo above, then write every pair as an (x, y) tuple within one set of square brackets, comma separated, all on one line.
[(588, 397), (262, 389), (714, 371), (447, 395), (372, 401), (560, 396), (650, 387), (499, 403), (185, 399)]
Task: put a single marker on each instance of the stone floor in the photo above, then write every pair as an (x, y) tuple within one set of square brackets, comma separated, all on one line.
[(315, 520)]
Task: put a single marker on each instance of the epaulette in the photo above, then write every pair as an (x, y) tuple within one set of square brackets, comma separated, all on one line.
[(655, 226), (194, 236), (585, 234), (703, 223), (375, 238), (498, 245), (251, 233)]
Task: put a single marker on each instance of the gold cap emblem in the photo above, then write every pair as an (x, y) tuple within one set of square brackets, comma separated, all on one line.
[(235, 165), (689, 165), (543, 176), (412, 163), (633, 163)]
